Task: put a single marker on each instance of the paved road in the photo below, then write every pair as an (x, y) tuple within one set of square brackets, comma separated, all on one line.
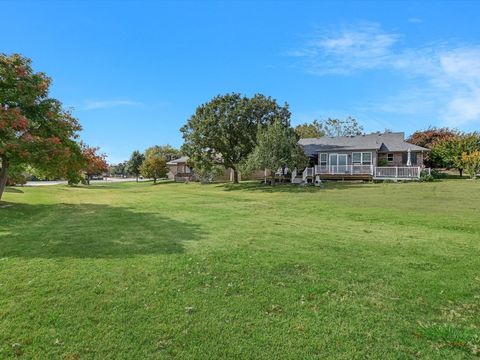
[(106, 180)]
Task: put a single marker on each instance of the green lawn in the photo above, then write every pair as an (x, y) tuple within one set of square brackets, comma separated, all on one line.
[(189, 271)]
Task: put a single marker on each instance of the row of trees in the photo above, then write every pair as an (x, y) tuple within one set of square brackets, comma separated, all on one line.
[(450, 148), (36, 132), (241, 133), (152, 164)]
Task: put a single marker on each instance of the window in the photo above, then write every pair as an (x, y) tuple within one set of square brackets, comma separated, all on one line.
[(413, 158), (366, 158), (323, 159), (356, 158), (362, 158), (389, 157)]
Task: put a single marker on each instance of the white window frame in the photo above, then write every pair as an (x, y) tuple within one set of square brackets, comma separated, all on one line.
[(323, 162), (353, 156), (362, 161)]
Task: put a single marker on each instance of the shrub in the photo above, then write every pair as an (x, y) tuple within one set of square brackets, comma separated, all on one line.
[(383, 162), (437, 174), (425, 176)]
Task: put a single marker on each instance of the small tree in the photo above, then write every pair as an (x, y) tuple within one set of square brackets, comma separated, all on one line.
[(154, 167), (471, 163), (337, 127), (133, 165), (450, 150), (95, 164), (277, 148), (309, 130)]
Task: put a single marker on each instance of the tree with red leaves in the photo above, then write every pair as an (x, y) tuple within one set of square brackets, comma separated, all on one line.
[(429, 138), (95, 164), (34, 128)]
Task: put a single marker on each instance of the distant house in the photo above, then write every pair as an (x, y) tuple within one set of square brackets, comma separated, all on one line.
[(371, 156), (180, 171)]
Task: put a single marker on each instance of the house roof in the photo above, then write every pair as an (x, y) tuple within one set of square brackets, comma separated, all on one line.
[(383, 142), (180, 160)]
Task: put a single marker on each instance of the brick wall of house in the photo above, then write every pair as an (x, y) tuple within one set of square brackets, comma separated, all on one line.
[(398, 159)]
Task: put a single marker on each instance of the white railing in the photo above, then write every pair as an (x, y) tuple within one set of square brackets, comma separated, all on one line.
[(307, 173), (344, 169), (406, 172), (294, 174)]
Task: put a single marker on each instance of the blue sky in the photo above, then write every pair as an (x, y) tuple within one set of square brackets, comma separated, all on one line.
[(134, 71)]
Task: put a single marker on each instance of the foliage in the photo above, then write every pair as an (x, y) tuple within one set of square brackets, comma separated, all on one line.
[(34, 128), (277, 148), (338, 127), (205, 172), (437, 174), (134, 163), (471, 163), (451, 149), (224, 130), (168, 152), (154, 167), (118, 169), (425, 176), (240, 271), (309, 130), (429, 138), (95, 163), (383, 162)]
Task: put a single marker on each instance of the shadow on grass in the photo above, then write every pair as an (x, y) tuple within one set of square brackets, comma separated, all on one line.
[(13, 190), (89, 231), (289, 188)]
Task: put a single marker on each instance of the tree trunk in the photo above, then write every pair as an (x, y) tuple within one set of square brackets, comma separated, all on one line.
[(137, 178), (235, 176), (88, 179), (154, 180), (461, 172), (3, 176)]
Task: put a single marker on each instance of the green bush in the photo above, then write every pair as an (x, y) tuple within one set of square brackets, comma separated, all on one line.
[(425, 176), (437, 174)]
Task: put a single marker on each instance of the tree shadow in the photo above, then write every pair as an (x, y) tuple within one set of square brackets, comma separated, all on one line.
[(13, 190), (90, 231), (290, 188)]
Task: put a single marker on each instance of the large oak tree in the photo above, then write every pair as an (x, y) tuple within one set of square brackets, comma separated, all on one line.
[(34, 128), (224, 130)]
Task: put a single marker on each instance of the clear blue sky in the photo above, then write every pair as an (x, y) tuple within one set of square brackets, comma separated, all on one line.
[(135, 71)]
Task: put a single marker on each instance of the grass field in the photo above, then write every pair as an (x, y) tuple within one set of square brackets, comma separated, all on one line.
[(189, 271)]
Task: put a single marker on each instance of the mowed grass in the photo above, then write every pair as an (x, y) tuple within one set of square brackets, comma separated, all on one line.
[(190, 271)]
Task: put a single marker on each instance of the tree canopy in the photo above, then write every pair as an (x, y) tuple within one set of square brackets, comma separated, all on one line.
[(95, 163), (154, 167), (451, 149), (134, 163), (34, 128), (168, 152), (429, 138), (224, 130), (309, 130), (277, 148), (341, 127)]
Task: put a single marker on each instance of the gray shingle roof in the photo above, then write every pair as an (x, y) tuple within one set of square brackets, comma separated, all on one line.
[(383, 142), (180, 160)]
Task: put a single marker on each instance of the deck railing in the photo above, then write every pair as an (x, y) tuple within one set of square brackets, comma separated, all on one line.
[(406, 172), (308, 172), (344, 169)]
